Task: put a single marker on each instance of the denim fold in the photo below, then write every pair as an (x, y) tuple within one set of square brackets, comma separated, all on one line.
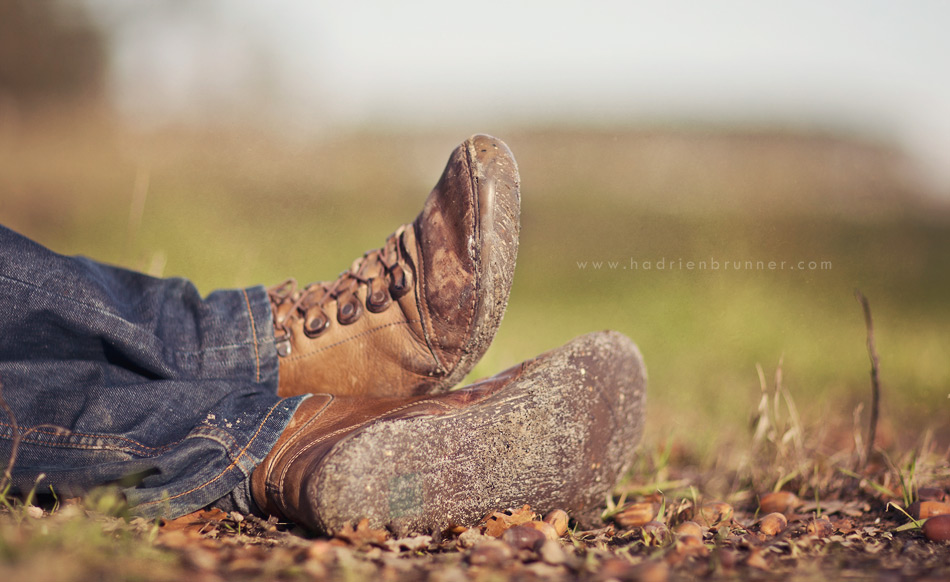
[(114, 377)]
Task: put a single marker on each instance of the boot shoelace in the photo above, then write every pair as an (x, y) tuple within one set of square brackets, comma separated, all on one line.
[(381, 270)]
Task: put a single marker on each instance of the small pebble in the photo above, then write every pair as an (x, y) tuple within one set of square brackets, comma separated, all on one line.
[(651, 572), (552, 553), (200, 559), (471, 537), (524, 537), (321, 550), (728, 558), (490, 553), (615, 569)]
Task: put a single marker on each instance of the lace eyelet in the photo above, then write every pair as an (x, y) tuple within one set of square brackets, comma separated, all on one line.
[(283, 345), (315, 323), (348, 309), (377, 295), (399, 282)]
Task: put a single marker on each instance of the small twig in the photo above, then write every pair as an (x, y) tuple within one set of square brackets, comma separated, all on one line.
[(14, 442), (875, 380), (17, 437)]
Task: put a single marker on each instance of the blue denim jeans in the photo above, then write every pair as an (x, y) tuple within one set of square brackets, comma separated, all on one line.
[(169, 395)]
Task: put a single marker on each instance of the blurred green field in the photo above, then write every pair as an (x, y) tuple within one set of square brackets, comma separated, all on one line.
[(235, 209)]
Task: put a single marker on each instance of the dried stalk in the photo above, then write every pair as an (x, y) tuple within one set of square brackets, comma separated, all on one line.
[(875, 379)]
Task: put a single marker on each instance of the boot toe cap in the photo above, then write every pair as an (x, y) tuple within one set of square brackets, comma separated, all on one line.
[(492, 159)]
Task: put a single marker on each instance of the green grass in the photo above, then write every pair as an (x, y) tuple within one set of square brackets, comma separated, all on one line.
[(72, 544), (239, 209)]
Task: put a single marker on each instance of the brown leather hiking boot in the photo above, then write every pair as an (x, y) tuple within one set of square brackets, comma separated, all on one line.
[(557, 431), (414, 316)]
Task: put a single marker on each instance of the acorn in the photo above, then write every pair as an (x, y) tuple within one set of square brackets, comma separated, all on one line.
[(689, 528), (779, 502), (716, 512), (773, 524), (636, 514), (558, 520), (928, 509), (937, 528), (545, 528)]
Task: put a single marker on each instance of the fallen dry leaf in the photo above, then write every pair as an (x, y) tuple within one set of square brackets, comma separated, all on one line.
[(558, 520), (497, 523), (411, 544), (362, 534), (757, 560), (830, 507), (196, 522), (820, 528)]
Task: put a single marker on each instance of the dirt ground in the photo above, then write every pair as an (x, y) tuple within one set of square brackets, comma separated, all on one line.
[(852, 526)]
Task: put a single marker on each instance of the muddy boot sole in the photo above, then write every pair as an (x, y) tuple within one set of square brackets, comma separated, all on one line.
[(559, 434), (495, 182)]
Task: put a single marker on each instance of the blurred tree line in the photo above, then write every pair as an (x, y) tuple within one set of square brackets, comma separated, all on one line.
[(51, 54)]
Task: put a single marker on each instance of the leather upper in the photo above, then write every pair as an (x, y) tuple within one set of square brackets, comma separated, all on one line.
[(415, 315)]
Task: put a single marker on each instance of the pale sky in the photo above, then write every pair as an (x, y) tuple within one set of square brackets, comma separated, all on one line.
[(858, 65)]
